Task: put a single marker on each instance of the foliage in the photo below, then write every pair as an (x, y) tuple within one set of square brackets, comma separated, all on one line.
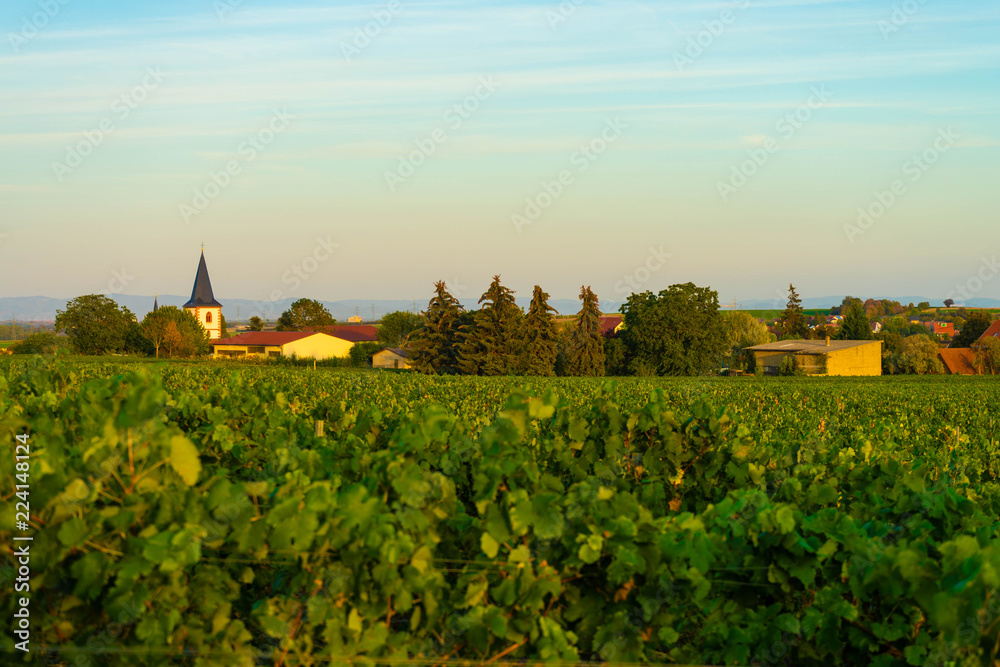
[(974, 327), (305, 314), (192, 515), (40, 342), (492, 344), (676, 332), (917, 355), (793, 320), (95, 324), (396, 326), (361, 353), (789, 366), (540, 335), (615, 357), (856, 325), (741, 331), (585, 353), (434, 347), (175, 332), (988, 356), (256, 324)]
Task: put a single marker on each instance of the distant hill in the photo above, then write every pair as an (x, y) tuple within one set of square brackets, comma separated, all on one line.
[(43, 308)]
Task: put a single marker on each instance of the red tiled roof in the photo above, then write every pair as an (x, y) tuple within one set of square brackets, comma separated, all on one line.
[(264, 338), (608, 324), (959, 361), (992, 332), (355, 333)]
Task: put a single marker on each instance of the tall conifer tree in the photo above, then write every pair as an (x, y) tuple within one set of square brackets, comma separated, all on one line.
[(492, 344), (435, 346), (541, 336), (793, 319), (586, 348)]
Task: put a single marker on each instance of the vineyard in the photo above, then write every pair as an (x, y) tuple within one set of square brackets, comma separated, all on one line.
[(212, 514)]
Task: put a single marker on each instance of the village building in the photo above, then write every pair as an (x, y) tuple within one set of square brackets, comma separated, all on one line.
[(392, 357), (822, 357), (301, 344), (202, 303)]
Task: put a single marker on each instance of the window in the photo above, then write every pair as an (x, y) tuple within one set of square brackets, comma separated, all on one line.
[(208, 317), (255, 349)]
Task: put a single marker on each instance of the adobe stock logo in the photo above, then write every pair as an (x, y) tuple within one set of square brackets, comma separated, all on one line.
[(634, 281), (915, 168)]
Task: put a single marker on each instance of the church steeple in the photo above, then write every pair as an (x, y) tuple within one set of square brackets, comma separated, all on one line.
[(202, 304), (156, 306), (201, 294)]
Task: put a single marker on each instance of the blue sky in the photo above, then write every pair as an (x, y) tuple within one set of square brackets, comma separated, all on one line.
[(739, 138)]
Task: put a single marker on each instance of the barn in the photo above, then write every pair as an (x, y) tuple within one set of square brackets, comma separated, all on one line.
[(822, 357), (302, 344)]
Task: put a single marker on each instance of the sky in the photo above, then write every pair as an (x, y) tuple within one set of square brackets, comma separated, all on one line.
[(363, 151)]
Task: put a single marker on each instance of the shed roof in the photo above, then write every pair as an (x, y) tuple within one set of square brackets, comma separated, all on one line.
[(398, 351), (811, 346)]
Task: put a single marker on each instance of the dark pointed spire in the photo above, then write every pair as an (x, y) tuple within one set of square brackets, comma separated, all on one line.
[(156, 306), (201, 294)]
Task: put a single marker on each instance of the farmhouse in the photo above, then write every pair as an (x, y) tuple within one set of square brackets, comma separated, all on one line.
[(393, 357), (822, 357), (992, 332), (303, 344)]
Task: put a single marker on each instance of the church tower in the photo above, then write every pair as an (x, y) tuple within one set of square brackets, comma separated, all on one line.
[(203, 304)]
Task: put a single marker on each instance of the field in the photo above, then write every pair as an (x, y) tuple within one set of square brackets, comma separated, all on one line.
[(214, 514)]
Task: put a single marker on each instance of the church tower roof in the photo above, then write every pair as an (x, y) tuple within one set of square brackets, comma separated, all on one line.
[(201, 294), (156, 306)]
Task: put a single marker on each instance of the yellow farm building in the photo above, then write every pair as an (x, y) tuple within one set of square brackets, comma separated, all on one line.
[(393, 357), (822, 357), (302, 344)]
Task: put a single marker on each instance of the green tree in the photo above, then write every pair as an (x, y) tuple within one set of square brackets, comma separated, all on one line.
[(435, 345), (988, 356), (856, 325), (154, 327), (586, 346), (918, 355), (676, 332), (136, 341), (40, 342), (95, 324), (742, 330), (223, 329), (256, 324), (793, 320), (175, 332), (396, 326), (541, 336), (972, 329), (305, 314), (491, 345)]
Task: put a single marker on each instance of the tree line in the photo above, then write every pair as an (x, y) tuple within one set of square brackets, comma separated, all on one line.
[(678, 331)]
